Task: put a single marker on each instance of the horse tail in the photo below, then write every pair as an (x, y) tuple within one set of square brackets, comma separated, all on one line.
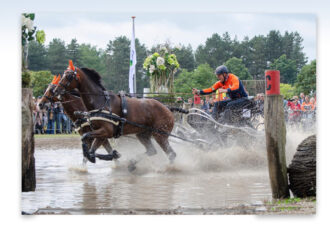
[(177, 109)]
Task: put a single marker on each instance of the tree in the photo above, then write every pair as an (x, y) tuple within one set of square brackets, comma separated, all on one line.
[(274, 45), (91, 57), (37, 58), (116, 59), (287, 90), (287, 68), (73, 52), (297, 53), (236, 66), (117, 74), (200, 78), (213, 52), (185, 57), (258, 59), (142, 81), (306, 80), (56, 56), (40, 81)]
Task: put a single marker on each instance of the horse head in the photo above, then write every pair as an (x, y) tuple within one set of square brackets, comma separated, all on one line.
[(49, 95), (69, 80)]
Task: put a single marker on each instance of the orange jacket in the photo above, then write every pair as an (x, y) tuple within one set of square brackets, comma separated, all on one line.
[(233, 85), (307, 106)]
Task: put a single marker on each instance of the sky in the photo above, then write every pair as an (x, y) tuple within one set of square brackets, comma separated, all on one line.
[(193, 28)]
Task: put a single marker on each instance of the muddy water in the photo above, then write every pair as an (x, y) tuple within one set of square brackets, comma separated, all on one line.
[(215, 179)]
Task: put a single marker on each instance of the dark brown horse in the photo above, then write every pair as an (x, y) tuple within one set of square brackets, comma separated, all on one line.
[(147, 112), (72, 102)]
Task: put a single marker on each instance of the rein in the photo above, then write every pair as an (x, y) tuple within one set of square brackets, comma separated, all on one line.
[(114, 117)]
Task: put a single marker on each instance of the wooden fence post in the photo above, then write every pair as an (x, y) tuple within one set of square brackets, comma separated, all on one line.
[(28, 162), (275, 135)]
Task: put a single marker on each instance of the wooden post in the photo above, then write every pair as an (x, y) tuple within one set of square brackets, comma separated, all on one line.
[(275, 136), (28, 162)]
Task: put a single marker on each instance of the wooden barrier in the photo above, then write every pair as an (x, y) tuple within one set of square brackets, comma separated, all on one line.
[(275, 136), (28, 162)]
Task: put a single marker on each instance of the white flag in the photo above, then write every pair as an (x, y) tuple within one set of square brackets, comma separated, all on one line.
[(132, 63)]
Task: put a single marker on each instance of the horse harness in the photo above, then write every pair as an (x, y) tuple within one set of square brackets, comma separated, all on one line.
[(116, 120), (104, 115)]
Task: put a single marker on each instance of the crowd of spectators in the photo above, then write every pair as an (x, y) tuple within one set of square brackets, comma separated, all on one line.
[(300, 107), (51, 119)]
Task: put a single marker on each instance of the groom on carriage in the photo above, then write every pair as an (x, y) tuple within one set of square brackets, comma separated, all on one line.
[(230, 84)]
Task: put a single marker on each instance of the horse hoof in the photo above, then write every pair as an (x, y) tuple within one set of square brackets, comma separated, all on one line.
[(91, 157), (132, 166), (115, 154)]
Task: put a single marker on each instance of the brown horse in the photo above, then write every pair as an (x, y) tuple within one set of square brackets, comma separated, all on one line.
[(146, 112), (72, 102)]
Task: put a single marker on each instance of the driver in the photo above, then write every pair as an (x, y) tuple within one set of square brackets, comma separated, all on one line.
[(230, 84)]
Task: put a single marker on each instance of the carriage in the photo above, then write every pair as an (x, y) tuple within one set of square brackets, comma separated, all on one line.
[(246, 122)]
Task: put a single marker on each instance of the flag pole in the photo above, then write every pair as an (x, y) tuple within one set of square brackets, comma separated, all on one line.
[(133, 17)]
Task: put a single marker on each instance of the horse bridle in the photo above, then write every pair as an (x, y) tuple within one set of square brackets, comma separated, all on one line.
[(70, 78), (52, 92)]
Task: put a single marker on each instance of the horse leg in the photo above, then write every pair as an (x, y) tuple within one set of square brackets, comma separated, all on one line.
[(114, 154), (145, 139), (98, 136), (162, 140), (89, 153)]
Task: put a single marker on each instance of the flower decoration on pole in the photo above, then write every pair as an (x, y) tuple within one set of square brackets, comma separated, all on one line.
[(29, 33), (161, 68)]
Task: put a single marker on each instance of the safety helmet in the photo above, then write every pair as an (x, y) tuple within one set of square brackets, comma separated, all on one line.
[(221, 69)]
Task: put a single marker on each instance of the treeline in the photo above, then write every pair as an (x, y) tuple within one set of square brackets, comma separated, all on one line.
[(248, 58)]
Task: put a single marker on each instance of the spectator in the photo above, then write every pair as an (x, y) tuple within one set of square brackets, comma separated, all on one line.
[(302, 98), (68, 125), (51, 119), (205, 106), (57, 117), (307, 105), (313, 102), (179, 100), (44, 120), (190, 102), (295, 107), (62, 118)]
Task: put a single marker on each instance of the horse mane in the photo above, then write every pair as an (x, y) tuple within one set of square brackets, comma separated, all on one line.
[(94, 76)]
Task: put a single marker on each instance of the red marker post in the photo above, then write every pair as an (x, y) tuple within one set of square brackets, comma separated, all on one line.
[(272, 82), (275, 132)]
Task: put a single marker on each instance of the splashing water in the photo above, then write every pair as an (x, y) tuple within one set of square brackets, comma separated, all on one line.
[(215, 178)]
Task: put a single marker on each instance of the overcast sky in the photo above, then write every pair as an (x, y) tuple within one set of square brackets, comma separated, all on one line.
[(185, 28)]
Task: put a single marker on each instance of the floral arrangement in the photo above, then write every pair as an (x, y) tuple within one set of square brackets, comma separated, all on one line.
[(161, 68), (28, 30), (29, 33)]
